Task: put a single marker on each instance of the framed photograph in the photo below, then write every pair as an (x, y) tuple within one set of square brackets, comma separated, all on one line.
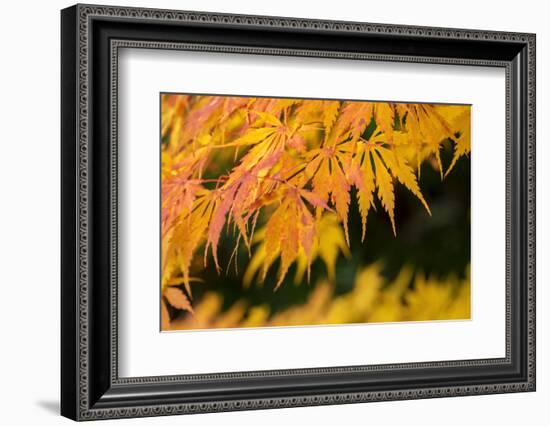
[(263, 212)]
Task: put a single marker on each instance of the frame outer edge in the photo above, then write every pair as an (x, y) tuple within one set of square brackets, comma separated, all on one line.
[(531, 201), (82, 410), (69, 283)]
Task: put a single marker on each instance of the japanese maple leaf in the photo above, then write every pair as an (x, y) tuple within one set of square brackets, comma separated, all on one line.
[(426, 128), (351, 121), (181, 242), (326, 170), (376, 167), (291, 227)]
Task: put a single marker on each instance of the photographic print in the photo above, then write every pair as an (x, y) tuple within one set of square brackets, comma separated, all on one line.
[(306, 212)]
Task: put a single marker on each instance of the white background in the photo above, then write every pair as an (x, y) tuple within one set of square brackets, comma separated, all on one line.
[(29, 225), (141, 345)]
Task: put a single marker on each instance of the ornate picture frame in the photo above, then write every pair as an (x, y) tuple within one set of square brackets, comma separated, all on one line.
[(91, 38)]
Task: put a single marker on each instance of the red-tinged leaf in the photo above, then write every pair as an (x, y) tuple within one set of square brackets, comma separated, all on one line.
[(268, 161), (177, 299), (179, 244), (385, 117), (297, 142), (244, 196), (361, 121), (178, 196), (218, 220), (314, 199), (352, 121)]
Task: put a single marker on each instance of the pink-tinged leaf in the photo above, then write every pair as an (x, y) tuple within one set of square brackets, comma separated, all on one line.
[(355, 175), (177, 299), (314, 199), (218, 221), (244, 197), (297, 142), (269, 161)]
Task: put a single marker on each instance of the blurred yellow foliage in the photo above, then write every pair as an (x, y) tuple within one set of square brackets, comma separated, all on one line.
[(409, 297)]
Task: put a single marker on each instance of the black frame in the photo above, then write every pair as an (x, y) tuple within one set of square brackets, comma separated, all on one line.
[(90, 38)]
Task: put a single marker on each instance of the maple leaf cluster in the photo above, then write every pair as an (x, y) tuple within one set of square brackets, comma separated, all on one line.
[(287, 167)]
